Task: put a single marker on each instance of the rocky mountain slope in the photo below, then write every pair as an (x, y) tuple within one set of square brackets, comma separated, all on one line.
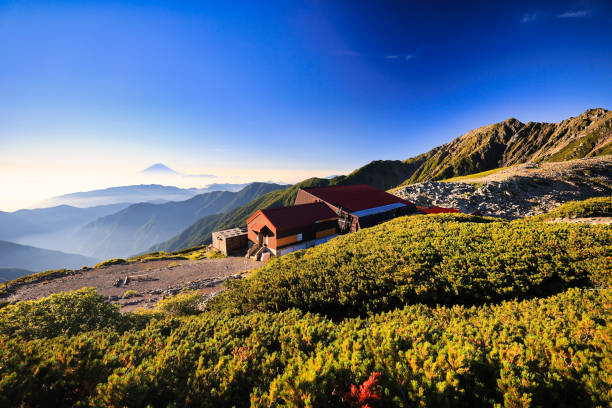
[(518, 191), (501, 144)]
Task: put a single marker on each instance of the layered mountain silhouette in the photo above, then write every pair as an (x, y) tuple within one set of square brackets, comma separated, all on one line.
[(23, 224), (142, 193), (489, 147), (137, 227), (29, 258)]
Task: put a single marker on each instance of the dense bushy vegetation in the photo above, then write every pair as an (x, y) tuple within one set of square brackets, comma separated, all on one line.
[(254, 347), (593, 207), (442, 259), (541, 352), (62, 313)]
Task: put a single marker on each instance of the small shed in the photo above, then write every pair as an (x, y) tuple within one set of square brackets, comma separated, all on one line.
[(231, 241)]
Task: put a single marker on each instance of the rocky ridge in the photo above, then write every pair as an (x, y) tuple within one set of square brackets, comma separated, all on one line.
[(519, 191)]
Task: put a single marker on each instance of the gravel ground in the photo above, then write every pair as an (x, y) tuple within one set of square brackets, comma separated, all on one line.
[(152, 280)]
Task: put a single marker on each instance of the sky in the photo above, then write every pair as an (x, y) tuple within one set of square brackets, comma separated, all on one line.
[(93, 92)]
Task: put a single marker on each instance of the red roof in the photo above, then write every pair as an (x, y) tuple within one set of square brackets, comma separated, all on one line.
[(355, 197), (298, 215), (437, 210)]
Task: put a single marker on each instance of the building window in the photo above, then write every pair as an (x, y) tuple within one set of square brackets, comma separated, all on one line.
[(267, 240), (299, 237)]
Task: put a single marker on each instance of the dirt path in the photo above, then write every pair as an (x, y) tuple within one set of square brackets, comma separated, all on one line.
[(152, 280)]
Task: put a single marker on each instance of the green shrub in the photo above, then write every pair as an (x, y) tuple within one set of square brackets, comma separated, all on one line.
[(215, 254), (61, 313), (130, 294), (542, 352), (114, 261), (441, 259), (185, 303), (593, 207)]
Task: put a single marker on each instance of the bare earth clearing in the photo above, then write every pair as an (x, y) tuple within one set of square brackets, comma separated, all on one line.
[(152, 280)]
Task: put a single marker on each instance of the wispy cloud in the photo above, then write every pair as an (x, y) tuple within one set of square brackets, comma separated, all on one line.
[(575, 14), (529, 17), (392, 57), (349, 53), (199, 175)]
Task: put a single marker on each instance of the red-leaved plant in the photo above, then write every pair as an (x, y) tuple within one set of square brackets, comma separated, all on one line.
[(365, 394)]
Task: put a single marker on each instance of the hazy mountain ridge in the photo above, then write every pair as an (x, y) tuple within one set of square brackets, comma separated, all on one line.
[(139, 226), (17, 256), (133, 194), (25, 225), (7, 274)]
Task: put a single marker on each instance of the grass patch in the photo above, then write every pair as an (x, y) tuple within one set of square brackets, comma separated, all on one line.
[(593, 207), (114, 261), (475, 175), (130, 294)]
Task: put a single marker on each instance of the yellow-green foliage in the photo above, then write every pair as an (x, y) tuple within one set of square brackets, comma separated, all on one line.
[(130, 294), (593, 207), (441, 259), (475, 175), (195, 253), (61, 313), (541, 352), (215, 254), (109, 262), (255, 348), (32, 278), (185, 303)]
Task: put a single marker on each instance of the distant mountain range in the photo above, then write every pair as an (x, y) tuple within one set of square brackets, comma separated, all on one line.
[(16, 256), (499, 145), (137, 227), (7, 274), (142, 193), (160, 169), (22, 223)]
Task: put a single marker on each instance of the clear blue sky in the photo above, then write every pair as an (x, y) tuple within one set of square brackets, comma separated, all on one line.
[(312, 85)]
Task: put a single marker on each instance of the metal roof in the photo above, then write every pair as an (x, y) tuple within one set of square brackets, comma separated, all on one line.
[(297, 215), (356, 197), (376, 210)]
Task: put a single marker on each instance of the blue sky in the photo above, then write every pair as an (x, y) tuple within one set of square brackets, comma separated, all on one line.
[(278, 90)]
